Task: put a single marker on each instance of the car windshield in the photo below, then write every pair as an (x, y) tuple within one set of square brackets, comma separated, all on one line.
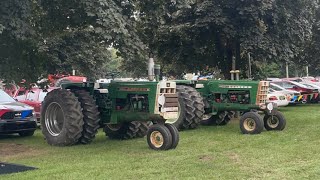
[(298, 84), (276, 87), (4, 97)]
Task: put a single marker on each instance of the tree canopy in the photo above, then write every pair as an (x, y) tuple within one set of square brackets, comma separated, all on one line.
[(46, 36), (38, 37), (201, 33)]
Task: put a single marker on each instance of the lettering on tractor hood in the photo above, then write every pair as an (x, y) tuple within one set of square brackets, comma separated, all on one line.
[(234, 86), (134, 89)]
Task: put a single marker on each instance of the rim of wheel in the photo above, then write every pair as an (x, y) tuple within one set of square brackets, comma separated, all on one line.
[(156, 139), (273, 122), (249, 124), (206, 117), (172, 121), (114, 127), (54, 119)]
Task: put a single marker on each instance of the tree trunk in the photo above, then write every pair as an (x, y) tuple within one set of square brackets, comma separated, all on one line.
[(227, 65), (238, 57)]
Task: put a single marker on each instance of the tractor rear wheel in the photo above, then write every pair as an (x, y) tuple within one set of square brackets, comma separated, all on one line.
[(61, 118), (221, 119), (127, 130), (274, 122), (90, 116), (159, 137), (251, 123), (142, 128), (191, 108)]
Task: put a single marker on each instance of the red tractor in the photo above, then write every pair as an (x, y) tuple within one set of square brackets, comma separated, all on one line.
[(55, 80)]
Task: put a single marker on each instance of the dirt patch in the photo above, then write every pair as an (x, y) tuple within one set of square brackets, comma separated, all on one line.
[(234, 157), (206, 158), (12, 151)]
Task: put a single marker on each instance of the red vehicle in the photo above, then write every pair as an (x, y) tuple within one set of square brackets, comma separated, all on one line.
[(33, 97), (55, 80)]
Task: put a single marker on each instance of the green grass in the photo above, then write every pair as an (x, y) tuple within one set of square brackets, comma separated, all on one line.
[(204, 153)]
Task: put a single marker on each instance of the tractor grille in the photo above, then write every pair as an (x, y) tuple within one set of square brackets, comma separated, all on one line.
[(167, 90), (171, 100), (262, 92)]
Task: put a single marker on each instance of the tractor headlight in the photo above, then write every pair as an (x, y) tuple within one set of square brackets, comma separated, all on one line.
[(270, 106), (161, 100)]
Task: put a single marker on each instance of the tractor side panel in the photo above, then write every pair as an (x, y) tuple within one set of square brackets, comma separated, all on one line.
[(228, 95), (132, 101)]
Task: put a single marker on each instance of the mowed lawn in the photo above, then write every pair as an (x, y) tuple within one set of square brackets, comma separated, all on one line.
[(204, 153)]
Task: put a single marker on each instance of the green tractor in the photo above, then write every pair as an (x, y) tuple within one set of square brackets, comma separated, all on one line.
[(73, 113), (220, 100)]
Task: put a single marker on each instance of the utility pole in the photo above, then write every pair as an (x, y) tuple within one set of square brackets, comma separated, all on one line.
[(249, 64), (287, 70)]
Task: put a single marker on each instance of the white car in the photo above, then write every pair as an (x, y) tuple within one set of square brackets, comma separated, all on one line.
[(277, 97), (308, 80), (310, 85), (291, 95)]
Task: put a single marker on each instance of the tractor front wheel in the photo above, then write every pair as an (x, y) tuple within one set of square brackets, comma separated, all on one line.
[(274, 122), (251, 123), (175, 135), (159, 137)]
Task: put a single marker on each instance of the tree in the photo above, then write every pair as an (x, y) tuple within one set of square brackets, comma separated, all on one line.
[(63, 35), (204, 32)]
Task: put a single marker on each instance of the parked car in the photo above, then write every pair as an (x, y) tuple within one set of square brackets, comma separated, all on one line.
[(315, 98), (33, 97), (292, 85), (16, 117), (306, 92), (302, 80), (277, 97), (311, 80), (294, 97)]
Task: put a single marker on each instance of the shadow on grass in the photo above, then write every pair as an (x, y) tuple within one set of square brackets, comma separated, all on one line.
[(10, 136)]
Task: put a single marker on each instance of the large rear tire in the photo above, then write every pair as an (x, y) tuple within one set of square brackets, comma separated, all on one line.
[(127, 130), (191, 108), (61, 118), (142, 128), (220, 119), (90, 116)]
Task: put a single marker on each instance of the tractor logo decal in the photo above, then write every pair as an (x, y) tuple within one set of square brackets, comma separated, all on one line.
[(128, 89), (235, 86)]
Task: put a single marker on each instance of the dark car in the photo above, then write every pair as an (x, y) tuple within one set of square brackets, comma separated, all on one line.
[(16, 117)]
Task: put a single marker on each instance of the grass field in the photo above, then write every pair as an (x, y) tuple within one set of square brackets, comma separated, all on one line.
[(204, 153)]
